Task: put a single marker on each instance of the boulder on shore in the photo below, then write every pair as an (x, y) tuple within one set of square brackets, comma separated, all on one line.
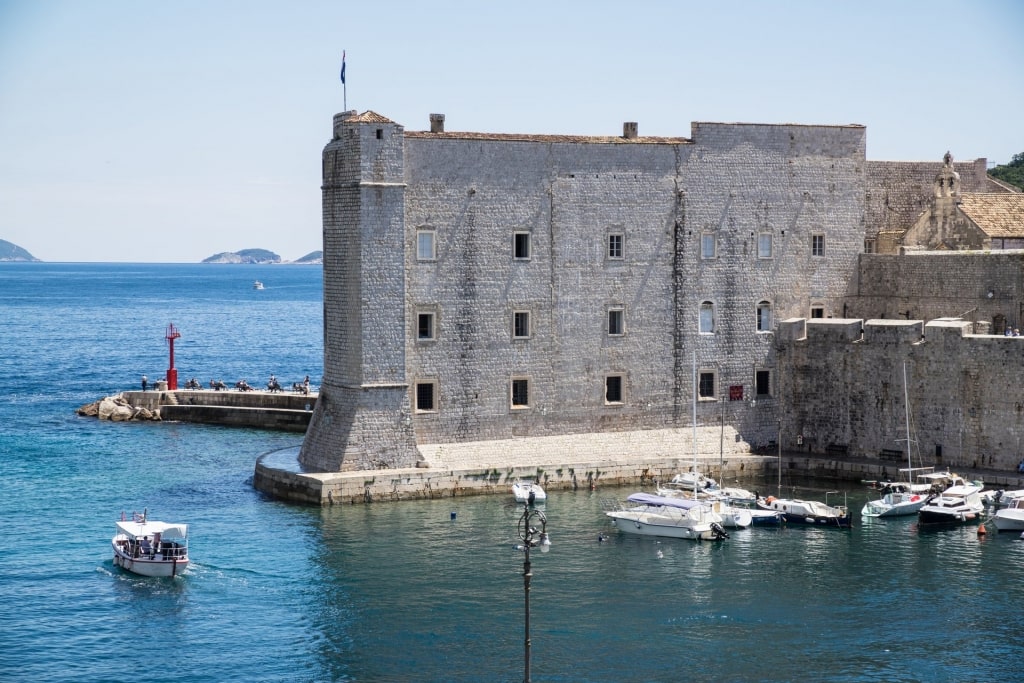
[(117, 409)]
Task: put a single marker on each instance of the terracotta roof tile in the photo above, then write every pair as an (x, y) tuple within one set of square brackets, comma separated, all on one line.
[(997, 214), (368, 117)]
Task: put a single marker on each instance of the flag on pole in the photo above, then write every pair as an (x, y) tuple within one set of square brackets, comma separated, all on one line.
[(343, 67)]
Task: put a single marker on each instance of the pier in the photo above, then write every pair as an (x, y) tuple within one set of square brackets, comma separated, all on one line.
[(286, 411)]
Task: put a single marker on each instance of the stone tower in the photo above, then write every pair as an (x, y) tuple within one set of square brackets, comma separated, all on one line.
[(362, 419)]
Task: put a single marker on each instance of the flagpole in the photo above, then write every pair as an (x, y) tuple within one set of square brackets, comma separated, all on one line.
[(344, 87)]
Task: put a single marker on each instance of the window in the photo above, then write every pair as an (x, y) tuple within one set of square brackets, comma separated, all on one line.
[(707, 317), (615, 246), (763, 383), (426, 397), (425, 245), (764, 316), (708, 245), (817, 311), (521, 246), (616, 322), (520, 392), (613, 389), (870, 245), (521, 324), (764, 245), (425, 326), (817, 245), (706, 384)]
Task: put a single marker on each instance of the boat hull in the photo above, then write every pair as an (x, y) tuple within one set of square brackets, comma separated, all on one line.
[(157, 566), (947, 517), (656, 525), (1009, 522)]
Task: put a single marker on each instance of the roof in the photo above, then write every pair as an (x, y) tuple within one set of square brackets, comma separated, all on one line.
[(997, 214), (368, 117), (150, 527), (531, 137)]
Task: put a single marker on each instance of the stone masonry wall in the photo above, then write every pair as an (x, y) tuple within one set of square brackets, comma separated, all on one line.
[(845, 390)]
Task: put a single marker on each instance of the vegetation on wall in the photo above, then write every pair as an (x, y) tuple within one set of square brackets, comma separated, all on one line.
[(1012, 172)]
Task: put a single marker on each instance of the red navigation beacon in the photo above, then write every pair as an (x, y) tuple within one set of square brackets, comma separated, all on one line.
[(172, 374)]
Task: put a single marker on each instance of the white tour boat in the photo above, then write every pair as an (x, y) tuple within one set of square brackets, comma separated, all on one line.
[(257, 285), (528, 492), (150, 548)]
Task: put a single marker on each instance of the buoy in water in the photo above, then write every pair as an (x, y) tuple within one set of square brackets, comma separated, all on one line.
[(981, 530)]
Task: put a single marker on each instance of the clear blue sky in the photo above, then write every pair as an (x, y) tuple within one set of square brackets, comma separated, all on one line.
[(169, 131)]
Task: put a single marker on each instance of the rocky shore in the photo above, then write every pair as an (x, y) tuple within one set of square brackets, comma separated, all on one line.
[(118, 409)]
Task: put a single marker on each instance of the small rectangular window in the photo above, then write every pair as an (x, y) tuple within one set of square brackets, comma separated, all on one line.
[(613, 389), (764, 316), (521, 324), (426, 397), (424, 326), (425, 245), (615, 246), (706, 384), (817, 311), (707, 317), (817, 245), (616, 321), (708, 245), (520, 392), (764, 245), (521, 245), (870, 245), (762, 383)]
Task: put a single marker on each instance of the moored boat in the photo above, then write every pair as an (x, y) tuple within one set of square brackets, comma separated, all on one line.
[(150, 548), (1010, 518), (649, 515), (809, 512), (528, 492), (956, 505)]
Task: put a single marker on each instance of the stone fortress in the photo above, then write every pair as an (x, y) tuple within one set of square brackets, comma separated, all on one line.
[(484, 286)]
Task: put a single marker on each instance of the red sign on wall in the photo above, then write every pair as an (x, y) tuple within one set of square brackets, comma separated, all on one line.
[(736, 392)]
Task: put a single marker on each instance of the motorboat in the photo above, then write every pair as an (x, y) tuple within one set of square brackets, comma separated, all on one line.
[(528, 492), (956, 505), (1011, 517), (150, 548), (647, 514), (257, 285), (694, 481), (1001, 498), (733, 517), (810, 512)]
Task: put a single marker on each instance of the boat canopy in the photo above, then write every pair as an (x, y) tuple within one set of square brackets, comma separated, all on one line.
[(148, 528), (651, 499)]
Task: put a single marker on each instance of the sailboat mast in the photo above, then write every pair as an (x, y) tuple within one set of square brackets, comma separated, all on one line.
[(694, 425), (906, 407)]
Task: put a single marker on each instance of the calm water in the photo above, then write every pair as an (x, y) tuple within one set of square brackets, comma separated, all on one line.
[(403, 591)]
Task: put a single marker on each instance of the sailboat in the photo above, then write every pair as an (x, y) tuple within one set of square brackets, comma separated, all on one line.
[(900, 498)]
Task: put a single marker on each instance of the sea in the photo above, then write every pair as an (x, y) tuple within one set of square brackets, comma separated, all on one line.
[(428, 590)]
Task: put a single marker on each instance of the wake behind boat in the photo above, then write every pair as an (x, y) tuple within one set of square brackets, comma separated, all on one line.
[(150, 548)]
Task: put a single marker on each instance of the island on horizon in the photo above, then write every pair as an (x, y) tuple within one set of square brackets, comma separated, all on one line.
[(248, 256), (12, 252)]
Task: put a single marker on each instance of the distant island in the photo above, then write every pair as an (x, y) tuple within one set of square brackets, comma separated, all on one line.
[(261, 256), (12, 252)]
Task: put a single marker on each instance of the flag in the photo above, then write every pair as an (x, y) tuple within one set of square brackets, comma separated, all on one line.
[(343, 67)]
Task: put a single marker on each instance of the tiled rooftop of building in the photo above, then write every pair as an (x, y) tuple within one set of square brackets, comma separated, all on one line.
[(998, 214)]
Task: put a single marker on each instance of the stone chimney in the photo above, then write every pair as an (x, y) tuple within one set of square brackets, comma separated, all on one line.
[(629, 130), (437, 123)]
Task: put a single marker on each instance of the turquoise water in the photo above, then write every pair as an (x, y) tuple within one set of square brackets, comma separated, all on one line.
[(404, 592)]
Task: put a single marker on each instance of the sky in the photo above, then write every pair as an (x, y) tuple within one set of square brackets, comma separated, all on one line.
[(171, 131)]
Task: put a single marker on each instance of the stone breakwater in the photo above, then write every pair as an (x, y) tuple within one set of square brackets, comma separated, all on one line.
[(258, 409)]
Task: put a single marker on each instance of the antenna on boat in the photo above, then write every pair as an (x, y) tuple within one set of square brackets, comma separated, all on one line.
[(695, 425)]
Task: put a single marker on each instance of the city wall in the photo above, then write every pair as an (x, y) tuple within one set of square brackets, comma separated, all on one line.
[(843, 386)]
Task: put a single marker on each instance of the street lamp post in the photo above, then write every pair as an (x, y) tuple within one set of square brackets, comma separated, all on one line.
[(531, 537)]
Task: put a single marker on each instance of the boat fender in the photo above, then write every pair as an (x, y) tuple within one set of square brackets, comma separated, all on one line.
[(769, 499)]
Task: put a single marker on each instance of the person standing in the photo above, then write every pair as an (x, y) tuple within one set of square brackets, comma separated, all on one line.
[(145, 382)]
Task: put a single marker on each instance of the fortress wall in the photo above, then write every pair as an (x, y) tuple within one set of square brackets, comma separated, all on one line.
[(852, 394), (906, 286), (569, 197)]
